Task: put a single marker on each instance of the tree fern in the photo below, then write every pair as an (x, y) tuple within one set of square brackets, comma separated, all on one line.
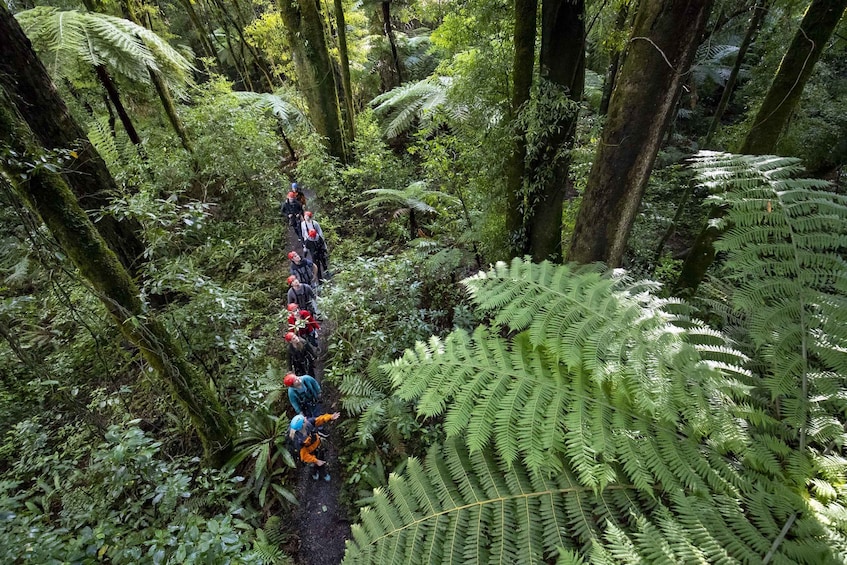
[(639, 410), (420, 100), (285, 111), (66, 38), (785, 240)]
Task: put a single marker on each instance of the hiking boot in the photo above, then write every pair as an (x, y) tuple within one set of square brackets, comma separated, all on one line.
[(326, 477), (316, 475)]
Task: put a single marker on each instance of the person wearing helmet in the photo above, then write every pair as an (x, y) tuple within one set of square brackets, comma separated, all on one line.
[(302, 268), (301, 354), (309, 223), (298, 190), (316, 246), (293, 211), (304, 393), (301, 294), (303, 432), (303, 324)]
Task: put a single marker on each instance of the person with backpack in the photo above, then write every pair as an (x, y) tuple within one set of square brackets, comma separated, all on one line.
[(293, 211), (309, 223), (305, 271), (301, 354), (303, 434), (302, 295), (316, 247), (304, 393)]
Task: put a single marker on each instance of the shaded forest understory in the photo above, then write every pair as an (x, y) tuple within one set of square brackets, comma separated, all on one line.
[(588, 289)]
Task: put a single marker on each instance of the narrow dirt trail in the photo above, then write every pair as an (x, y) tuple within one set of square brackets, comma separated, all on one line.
[(320, 522)]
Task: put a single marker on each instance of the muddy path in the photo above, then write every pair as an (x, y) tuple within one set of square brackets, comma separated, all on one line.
[(320, 525)]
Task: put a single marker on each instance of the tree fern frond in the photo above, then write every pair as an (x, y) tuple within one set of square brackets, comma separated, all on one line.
[(64, 38), (285, 110), (418, 100)]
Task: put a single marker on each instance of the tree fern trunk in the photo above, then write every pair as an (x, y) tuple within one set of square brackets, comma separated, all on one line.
[(24, 78), (389, 34), (662, 46), (47, 195), (524, 62), (794, 71), (760, 10), (115, 97)]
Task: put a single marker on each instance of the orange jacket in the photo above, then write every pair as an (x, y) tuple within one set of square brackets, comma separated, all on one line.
[(313, 441)]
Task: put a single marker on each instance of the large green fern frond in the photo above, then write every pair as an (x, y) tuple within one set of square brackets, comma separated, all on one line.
[(280, 106), (66, 38), (420, 100)]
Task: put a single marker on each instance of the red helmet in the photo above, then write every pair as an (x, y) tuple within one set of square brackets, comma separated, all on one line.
[(292, 194), (291, 254), (289, 336), (289, 379), (292, 307), (308, 214), (313, 234), (291, 279)]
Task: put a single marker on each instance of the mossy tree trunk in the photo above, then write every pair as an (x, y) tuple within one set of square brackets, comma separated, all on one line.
[(562, 64), (305, 32), (614, 62), (819, 22), (48, 195), (662, 46), (34, 95), (344, 64), (522, 67)]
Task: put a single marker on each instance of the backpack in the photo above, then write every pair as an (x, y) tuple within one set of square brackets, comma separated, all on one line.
[(293, 445)]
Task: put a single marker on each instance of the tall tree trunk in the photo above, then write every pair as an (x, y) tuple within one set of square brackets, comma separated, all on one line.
[(562, 63), (237, 23), (760, 10), (794, 71), (48, 196), (304, 28), (524, 62), (24, 78), (392, 42), (614, 63), (661, 49), (345, 71), (805, 49)]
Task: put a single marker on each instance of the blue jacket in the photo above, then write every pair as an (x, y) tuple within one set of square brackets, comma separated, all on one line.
[(305, 400)]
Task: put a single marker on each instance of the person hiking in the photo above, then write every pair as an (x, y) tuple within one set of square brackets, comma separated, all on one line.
[(304, 269), (293, 211), (303, 324), (316, 246), (302, 295), (309, 223), (304, 393), (301, 354), (301, 198), (303, 432)]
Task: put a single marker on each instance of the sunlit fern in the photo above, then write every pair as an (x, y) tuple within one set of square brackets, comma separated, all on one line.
[(422, 101)]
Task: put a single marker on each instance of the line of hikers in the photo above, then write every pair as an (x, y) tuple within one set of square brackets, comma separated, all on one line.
[(304, 392)]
